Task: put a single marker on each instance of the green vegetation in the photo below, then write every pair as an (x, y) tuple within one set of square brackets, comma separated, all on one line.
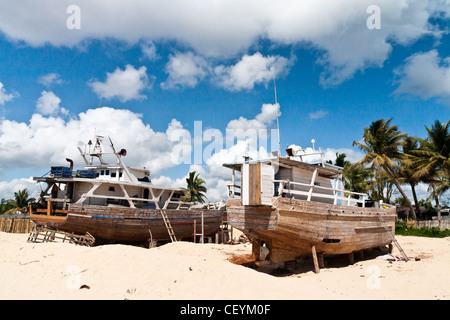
[(195, 190), (382, 144), (18, 204), (393, 159), (433, 232)]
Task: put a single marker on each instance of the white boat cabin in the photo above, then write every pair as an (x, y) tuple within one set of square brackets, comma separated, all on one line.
[(257, 182)]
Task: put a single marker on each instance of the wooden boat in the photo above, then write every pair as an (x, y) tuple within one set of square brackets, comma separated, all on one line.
[(290, 209), (114, 202)]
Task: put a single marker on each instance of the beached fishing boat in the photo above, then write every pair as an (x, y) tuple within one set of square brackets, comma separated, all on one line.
[(289, 208), (114, 202)]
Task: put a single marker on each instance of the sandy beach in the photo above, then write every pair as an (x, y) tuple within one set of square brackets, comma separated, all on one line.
[(190, 271)]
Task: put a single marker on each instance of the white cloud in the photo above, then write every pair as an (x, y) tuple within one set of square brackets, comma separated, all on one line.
[(5, 96), (251, 70), (7, 188), (227, 28), (125, 85), (185, 70), (262, 120), (44, 141), (50, 79), (425, 75), (48, 104), (148, 49), (318, 114)]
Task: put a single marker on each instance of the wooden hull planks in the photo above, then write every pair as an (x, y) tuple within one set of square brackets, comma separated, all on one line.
[(131, 225), (291, 227)]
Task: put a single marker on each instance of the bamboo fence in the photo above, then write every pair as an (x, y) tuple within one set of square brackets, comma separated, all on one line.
[(443, 224), (15, 225)]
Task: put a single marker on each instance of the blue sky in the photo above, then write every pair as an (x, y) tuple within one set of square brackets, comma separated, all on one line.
[(334, 76)]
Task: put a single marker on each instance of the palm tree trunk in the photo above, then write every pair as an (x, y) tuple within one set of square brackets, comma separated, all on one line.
[(438, 206), (391, 176), (416, 202)]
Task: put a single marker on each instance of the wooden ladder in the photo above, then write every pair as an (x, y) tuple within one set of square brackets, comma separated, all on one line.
[(393, 238), (169, 228)]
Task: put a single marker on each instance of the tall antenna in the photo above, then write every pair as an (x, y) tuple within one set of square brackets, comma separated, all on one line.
[(278, 125)]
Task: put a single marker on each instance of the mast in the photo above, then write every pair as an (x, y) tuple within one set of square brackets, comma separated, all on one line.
[(278, 125)]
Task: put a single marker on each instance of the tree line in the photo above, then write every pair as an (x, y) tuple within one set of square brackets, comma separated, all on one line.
[(392, 158)]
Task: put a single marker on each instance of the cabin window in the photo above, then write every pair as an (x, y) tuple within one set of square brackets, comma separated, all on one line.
[(102, 172), (113, 174), (317, 183), (120, 174), (107, 172), (111, 189)]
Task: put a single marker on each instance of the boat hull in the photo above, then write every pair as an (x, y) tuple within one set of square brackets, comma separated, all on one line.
[(291, 227), (131, 225)]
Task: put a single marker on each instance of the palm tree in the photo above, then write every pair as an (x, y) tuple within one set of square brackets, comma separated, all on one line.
[(382, 143), (340, 160), (433, 164), (408, 168), (20, 201), (195, 190), (356, 178), (381, 187)]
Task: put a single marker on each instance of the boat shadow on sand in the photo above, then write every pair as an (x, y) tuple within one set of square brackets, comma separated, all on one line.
[(304, 265)]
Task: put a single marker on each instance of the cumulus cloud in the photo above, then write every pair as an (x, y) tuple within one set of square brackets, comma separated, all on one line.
[(185, 70), (44, 141), (269, 113), (48, 104), (5, 96), (125, 85), (227, 28), (188, 69), (426, 75), (251, 70), (7, 188)]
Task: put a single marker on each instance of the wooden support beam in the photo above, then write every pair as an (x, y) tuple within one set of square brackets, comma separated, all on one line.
[(49, 208), (351, 258), (321, 261), (195, 231), (316, 262), (360, 254), (256, 250)]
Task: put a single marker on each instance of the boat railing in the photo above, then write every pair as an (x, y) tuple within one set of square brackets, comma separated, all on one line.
[(285, 187), (231, 190)]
